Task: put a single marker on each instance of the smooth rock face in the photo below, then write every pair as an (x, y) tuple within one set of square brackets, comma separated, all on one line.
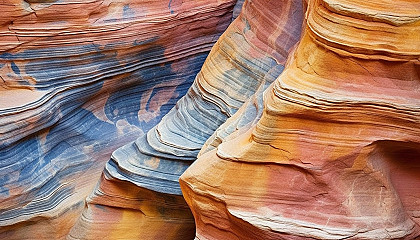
[(248, 57), (335, 153), (78, 80)]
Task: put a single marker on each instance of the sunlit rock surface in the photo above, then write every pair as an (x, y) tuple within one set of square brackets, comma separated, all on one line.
[(248, 57), (330, 149), (78, 79), (335, 152)]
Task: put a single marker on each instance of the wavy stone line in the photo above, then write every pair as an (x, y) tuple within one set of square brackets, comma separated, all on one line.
[(241, 62), (227, 79), (335, 153), (78, 80)]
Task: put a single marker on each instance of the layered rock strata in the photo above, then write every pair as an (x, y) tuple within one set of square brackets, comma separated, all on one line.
[(78, 80), (248, 56), (335, 153)]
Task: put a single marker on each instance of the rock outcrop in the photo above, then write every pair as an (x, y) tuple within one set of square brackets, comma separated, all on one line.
[(258, 138), (247, 57), (78, 80), (335, 152)]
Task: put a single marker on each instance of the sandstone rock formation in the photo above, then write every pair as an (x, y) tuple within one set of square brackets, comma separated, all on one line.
[(247, 57), (329, 149), (335, 152), (78, 80)]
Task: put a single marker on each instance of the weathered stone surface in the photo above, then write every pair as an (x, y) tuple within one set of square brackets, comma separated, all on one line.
[(329, 149), (335, 152), (247, 57), (244, 59), (78, 80)]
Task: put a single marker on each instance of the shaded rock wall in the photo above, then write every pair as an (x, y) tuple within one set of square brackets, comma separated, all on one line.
[(335, 152), (78, 80)]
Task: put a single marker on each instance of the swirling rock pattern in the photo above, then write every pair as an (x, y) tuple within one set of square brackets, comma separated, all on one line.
[(335, 153), (248, 57), (78, 79), (242, 61), (327, 150)]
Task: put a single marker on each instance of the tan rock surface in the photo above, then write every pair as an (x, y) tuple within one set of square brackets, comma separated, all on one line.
[(335, 153)]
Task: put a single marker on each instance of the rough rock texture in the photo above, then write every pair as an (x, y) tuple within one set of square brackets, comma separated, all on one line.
[(78, 79), (330, 149), (335, 152), (248, 56)]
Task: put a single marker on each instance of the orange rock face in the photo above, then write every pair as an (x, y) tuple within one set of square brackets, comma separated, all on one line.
[(329, 149), (336, 151)]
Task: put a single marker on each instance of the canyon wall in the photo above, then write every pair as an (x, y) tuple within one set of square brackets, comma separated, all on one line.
[(335, 152), (78, 80), (132, 119), (139, 187)]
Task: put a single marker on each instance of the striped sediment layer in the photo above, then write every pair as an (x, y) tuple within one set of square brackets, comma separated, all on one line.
[(247, 58), (334, 153), (78, 80)]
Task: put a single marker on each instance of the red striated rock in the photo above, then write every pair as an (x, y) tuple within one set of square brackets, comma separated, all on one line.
[(335, 153), (329, 151)]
